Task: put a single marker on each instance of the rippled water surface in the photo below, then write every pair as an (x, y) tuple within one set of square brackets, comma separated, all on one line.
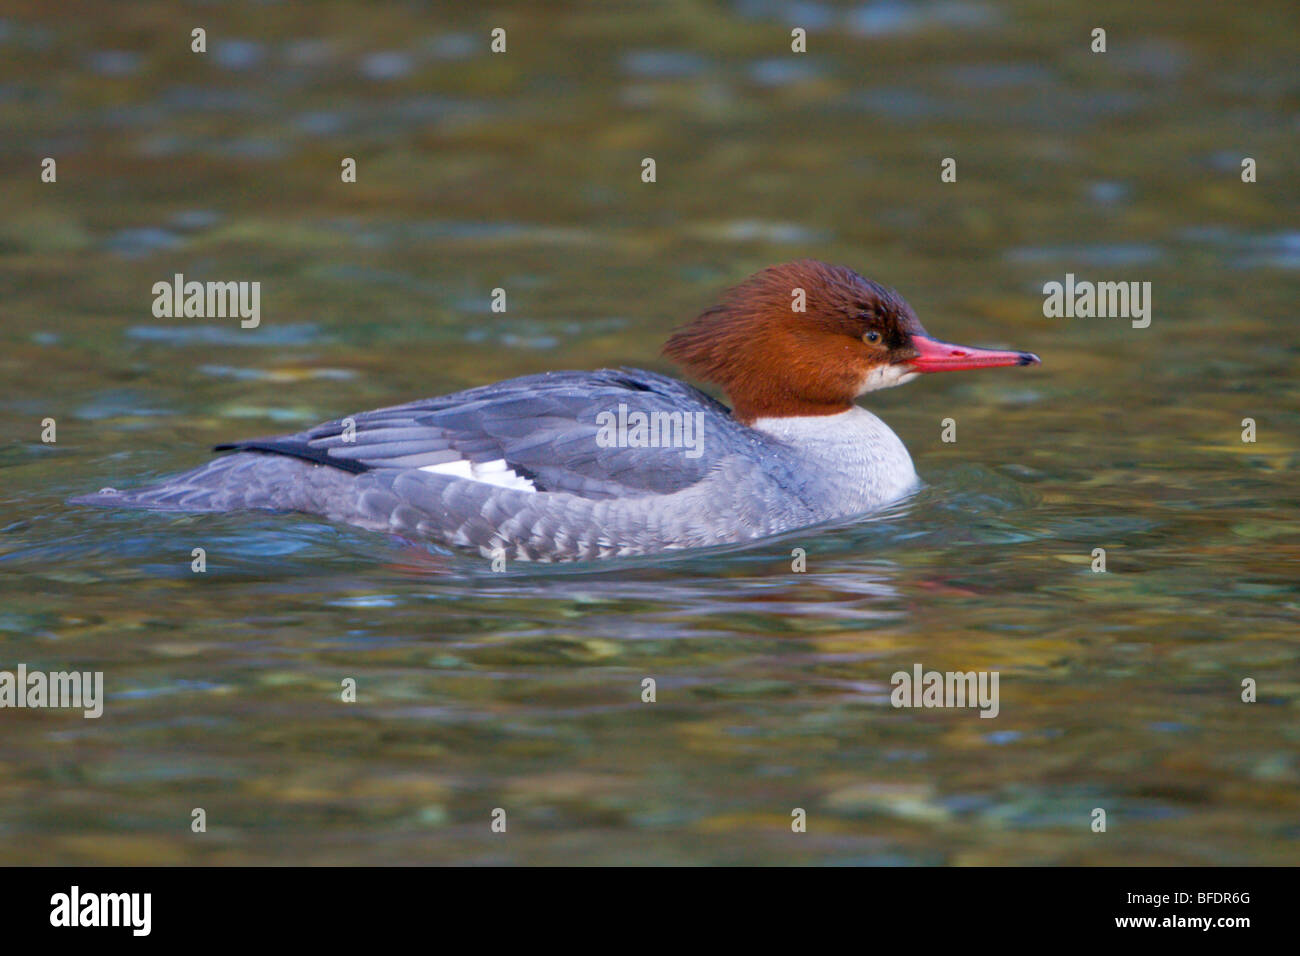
[(522, 690)]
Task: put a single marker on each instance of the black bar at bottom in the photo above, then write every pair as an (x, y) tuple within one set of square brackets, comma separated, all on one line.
[(298, 905)]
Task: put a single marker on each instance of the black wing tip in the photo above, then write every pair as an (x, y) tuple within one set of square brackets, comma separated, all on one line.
[(299, 450)]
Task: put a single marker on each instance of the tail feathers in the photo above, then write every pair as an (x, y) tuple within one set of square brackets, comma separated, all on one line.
[(245, 480), (154, 498)]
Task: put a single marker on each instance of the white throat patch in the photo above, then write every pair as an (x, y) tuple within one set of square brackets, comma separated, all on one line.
[(886, 376)]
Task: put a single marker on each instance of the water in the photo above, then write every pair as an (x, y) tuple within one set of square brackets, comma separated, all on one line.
[(522, 690)]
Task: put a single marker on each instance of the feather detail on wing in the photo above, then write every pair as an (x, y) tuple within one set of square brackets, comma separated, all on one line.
[(603, 434)]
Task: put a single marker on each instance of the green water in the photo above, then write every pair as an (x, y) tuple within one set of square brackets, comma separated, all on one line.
[(522, 690)]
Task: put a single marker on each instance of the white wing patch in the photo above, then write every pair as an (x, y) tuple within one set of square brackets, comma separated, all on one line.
[(495, 472)]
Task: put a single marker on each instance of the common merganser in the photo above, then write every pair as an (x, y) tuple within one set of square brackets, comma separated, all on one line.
[(577, 465)]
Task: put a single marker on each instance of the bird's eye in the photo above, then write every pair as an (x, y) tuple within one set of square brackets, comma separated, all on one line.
[(872, 337)]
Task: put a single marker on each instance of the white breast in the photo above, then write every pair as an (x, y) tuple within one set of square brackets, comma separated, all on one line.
[(861, 455)]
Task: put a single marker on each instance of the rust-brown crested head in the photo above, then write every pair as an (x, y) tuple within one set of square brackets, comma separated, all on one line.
[(801, 338)]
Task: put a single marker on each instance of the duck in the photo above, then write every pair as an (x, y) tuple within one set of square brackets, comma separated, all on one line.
[(585, 465)]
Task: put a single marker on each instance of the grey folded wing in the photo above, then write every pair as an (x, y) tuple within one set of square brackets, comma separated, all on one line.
[(552, 430)]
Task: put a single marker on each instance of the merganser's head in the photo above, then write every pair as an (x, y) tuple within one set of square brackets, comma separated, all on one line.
[(807, 338)]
